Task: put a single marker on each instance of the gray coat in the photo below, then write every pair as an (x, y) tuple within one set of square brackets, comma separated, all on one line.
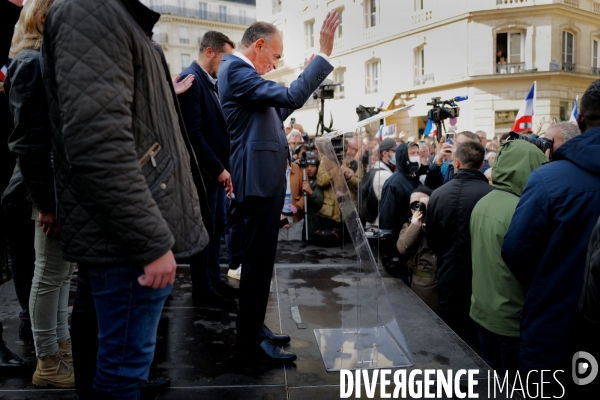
[(124, 186)]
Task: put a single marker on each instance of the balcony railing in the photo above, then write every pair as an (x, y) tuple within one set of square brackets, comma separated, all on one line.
[(423, 79), (572, 3), (595, 71), (596, 7), (511, 68), (184, 40), (202, 14), (570, 67), (510, 2)]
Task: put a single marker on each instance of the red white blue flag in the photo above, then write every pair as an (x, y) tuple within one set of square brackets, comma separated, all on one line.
[(3, 73), (524, 121)]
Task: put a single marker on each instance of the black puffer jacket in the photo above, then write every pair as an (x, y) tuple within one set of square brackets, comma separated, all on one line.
[(449, 237), (125, 192), (30, 141)]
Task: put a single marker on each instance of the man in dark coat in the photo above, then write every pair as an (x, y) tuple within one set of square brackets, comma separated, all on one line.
[(9, 14), (207, 129), (546, 245), (125, 177), (448, 236), (394, 209), (255, 109)]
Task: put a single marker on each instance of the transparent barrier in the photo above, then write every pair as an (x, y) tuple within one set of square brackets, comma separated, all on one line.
[(370, 336)]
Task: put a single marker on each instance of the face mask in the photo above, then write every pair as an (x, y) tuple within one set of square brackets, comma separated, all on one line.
[(393, 161), (415, 159)]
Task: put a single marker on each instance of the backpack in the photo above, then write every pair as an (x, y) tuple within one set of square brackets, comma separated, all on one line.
[(368, 205)]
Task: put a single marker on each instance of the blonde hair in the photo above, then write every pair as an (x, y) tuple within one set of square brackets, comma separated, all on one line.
[(28, 31)]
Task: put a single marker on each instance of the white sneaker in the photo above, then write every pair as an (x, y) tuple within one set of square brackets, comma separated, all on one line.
[(235, 274)]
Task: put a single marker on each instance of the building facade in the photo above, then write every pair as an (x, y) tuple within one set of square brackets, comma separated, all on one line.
[(183, 23), (404, 52)]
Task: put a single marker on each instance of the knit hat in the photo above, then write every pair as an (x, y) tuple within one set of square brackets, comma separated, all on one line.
[(423, 189)]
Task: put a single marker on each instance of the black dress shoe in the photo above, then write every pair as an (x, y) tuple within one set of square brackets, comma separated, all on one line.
[(226, 290), (278, 339), (269, 352), (155, 385), (212, 298)]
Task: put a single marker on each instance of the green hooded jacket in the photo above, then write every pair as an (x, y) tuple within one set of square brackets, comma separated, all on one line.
[(497, 297)]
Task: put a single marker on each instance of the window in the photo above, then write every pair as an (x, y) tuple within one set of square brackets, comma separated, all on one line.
[(509, 52), (568, 42), (370, 13), (309, 34), (184, 33), (419, 5), (373, 76), (338, 77), (202, 10), (566, 108), (419, 65), (185, 61), (222, 13), (276, 6), (595, 51), (339, 29)]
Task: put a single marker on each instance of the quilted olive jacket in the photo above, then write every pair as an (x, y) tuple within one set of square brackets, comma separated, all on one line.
[(124, 186)]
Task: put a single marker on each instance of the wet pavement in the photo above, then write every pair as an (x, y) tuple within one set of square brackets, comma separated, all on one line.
[(196, 347)]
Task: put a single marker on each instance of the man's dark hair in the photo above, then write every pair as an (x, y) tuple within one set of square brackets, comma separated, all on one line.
[(589, 106), (470, 135), (470, 154), (216, 41), (257, 31), (504, 136), (300, 147)]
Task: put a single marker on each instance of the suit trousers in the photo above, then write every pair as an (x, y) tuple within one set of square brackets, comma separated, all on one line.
[(205, 270), (261, 229)]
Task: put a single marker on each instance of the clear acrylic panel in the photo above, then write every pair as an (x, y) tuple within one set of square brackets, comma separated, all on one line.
[(370, 336)]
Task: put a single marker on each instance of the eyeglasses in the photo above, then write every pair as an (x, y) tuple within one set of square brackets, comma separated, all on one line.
[(415, 205)]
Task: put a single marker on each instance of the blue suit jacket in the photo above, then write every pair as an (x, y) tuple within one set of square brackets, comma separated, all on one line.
[(255, 109), (205, 123)]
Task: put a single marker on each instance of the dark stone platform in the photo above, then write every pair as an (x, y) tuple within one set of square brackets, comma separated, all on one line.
[(197, 348)]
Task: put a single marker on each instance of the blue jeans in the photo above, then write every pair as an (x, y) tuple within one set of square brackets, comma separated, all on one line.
[(204, 266), (128, 315)]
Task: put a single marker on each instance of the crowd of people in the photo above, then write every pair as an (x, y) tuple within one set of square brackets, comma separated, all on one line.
[(115, 169)]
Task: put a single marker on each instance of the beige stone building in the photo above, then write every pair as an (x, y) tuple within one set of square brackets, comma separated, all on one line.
[(183, 23), (403, 52)]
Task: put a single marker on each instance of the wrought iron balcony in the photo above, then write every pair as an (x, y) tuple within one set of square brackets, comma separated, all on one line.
[(510, 68), (595, 71), (204, 14), (570, 67)]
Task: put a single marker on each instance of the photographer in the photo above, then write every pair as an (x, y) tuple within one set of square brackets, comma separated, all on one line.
[(441, 170), (314, 194), (413, 243)]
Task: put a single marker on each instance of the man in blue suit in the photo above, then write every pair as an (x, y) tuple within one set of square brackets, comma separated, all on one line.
[(255, 109), (206, 126)]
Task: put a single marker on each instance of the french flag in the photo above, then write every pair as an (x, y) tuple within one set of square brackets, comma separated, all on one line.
[(524, 121), (573, 118), (3, 73)]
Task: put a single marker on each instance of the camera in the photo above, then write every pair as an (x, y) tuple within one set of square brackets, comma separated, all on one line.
[(442, 110), (325, 91), (541, 143), (302, 162)]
